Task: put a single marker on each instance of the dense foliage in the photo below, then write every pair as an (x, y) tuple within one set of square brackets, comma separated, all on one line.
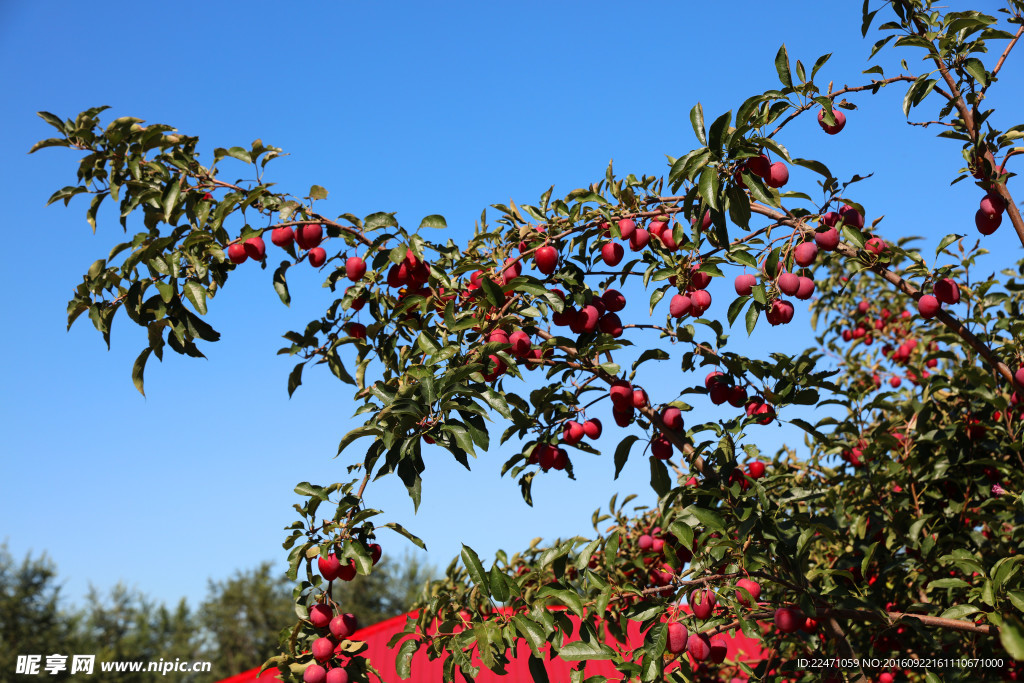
[(896, 531)]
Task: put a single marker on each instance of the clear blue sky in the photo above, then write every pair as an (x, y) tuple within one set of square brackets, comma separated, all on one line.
[(418, 108)]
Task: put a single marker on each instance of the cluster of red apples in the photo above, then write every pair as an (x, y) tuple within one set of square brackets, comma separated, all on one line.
[(335, 626), (308, 236)]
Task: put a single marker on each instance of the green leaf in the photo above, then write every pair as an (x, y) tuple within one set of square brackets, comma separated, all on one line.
[(708, 186), (139, 368), (317, 192), (499, 586), (532, 633), (434, 221), (398, 528), (712, 520), (782, 66), (660, 481), (281, 284), (622, 452), (170, 198), (1011, 635), (403, 660), (948, 583), (196, 293), (959, 611), (538, 671), (492, 291), (976, 69), (295, 378), (579, 650), (697, 119), (475, 568)]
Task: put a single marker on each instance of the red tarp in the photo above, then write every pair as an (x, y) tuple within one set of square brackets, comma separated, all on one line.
[(426, 671)]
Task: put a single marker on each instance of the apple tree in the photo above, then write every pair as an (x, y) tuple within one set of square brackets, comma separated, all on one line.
[(893, 535)]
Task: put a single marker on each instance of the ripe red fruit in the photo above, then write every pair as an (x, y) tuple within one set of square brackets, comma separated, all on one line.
[(673, 418), (627, 227), (309, 235), (885, 677), (497, 336), (347, 571), (828, 239), (701, 301), (895, 382), (510, 270), (1019, 377), (805, 253), (236, 253), (344, 625), (668, 239), (840, 118), (323, 649), (760, 165), (698, 280), (788, 619), (255, 248), (737, 396), (639, 398), (573, 433), (329, 567), (341, 676), (928, 306), (705, 222), (587, 318), (702, 602), (592, 428), (992, 205), (789, 283), (947, 291), (750, 586), (611, 324), (317, 257), (546, 259), (831, 219), (809, 625), (755, 469), (806, 288), (520, 342), (987, 224), (375, 552), (851, 217), (719, 648), (621, 393), (645, 542), (661, 448), (314, 673), (355, 268), (320, 615), (780, 312), (677, 636), (282, 237), (876, 245), (778, 176), (699, 646), (680, 305), (623, 416), (613, 300), (612, 253), (639, 239), (356, 330), (745, 283)]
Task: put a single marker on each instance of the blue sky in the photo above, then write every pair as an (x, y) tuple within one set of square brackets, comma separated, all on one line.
[(418, 108)]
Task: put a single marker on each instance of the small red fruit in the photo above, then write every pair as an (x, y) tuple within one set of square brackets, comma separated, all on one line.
[(992, 205), (947, 291), (355, 268), (337, 675), (375, 552), (356, 330), (677, 636), (661, 447), (760, 165), (627, 227), (344, 625), (612, 253), (314, 673), (699, 646), (805, 253), (788, 619), (789, 283), (521, 344), (928, 306), (806, 288), (755, 469), (329, 567), (236, 253), (320, 615), (778, 176), (876, 245), (282, 237), (592, 428), (621, 393), (702, 602), (639, 239), (680, 305), (673, 418), (851, 217), (547, 259), (701, 301), (309, 235), (750, 586), (719, 648), (840, 118), (611, 324), (323, 649), (639, 398), (573, 433), (255, 248), (745, 284), (987, 224), (613, 300), (317, 257), (828, 239)]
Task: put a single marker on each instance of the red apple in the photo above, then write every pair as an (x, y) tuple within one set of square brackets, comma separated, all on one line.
[(755, 469), (677, 636), (702, 602), (680, 305), (928, 306), (592, 428), (329, 567), (947, 291), (546, 259), (627, 227), (789, 283), (851, 217), (701, 301), (613, 300), (587, 318), (511, 270), (282, 237), (611, 324), (309, 235), (719, 648), (698, 280), (788, 619), (805, 253), (347, 572), (699, 646), (573, 433), (323, 649), (621, 393), (760, 165), (314, 673), (992, 205), (521, 344), (737, 396), (987, 224), (639, 398), (236, 253), (317, 257), (320, 615), (255, 248), (672, 418), (840, 118), (355, 268), (661, 447), (645, 542), (338, 675), (375, 552), (750, 586), (612, 253), (831, 219), (344, 625), (828, 239), (876, 245), (639, 239), (745, 283), (806, 288), (778, 176), (356, 330)]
